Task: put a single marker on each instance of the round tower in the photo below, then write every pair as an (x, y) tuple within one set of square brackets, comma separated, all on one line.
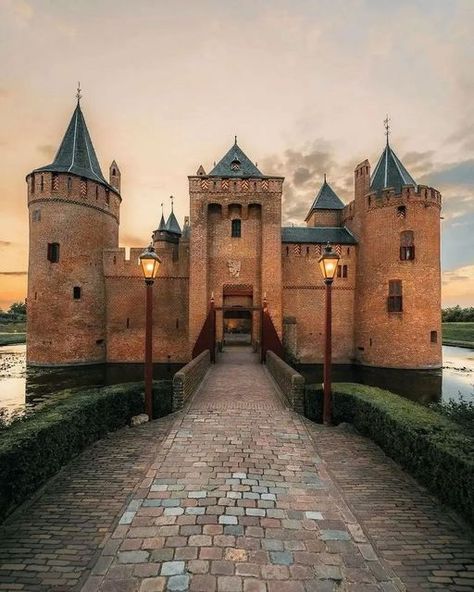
[(73, 217), (398, 303)]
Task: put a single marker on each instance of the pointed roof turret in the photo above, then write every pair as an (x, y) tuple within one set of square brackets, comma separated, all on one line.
[(326, 199), (162, 225), (390, 171), (172, 224), (76, 153), (235, 163)]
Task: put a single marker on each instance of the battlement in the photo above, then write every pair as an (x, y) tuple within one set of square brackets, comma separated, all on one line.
[(409, 194), (207, 184), (50, 186)]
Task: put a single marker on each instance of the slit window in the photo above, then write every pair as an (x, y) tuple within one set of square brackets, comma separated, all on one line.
[(395, 297), (69, 183), (76, 293), (236, 228), (128, 323), (407, 245), (53, 252), (42, 182), (434, 336), (107, 197)]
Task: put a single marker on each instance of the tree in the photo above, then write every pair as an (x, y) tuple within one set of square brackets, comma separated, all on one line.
[(17, 308)]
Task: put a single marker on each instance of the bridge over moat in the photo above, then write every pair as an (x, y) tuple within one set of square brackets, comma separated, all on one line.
[(235, 492)]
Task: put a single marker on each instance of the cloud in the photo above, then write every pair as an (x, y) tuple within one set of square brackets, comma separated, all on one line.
[(4, 93), (464, 137), (22, 9), (458, 286), (457, 174), (4, 243), (304, 170), (419, 163), (14, 273), (47, 150)]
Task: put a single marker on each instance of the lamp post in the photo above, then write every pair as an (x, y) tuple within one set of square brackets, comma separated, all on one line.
[(328, 264), (150, 262)]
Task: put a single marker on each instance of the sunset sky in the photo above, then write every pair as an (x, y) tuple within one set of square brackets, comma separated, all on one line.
[(305, 84)]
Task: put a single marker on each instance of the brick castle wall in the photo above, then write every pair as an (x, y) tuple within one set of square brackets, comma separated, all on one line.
[(83, 218)]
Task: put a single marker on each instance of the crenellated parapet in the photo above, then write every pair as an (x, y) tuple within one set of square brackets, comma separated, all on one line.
[(409, 194), (52, 187)]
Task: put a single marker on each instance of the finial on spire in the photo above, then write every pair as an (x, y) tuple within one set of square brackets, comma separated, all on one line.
[(386, 123), (171, 198), (162, 208), (78, 93), (325, 177), (235, 140)]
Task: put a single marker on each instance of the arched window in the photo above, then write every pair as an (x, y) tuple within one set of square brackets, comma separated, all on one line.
[(407, 245), (236, 228), (395, 296)]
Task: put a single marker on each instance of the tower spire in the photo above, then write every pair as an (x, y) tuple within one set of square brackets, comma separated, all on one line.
[(78, 93), (386, 123)]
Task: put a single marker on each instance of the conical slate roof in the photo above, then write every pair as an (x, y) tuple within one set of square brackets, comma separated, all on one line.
[(390, 172), (235, 164), (162, 225), (172, 224), (326, 199), (76, 153)]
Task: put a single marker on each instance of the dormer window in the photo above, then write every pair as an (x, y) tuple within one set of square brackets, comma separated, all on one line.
[(235, 164)]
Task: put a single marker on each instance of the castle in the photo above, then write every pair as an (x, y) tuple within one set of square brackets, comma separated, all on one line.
[(86, 299)]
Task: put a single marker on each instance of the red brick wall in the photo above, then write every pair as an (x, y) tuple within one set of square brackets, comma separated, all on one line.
[(212, 208), (399, 340), (62, 330), (324, 218), (125, 300), (304, 299)]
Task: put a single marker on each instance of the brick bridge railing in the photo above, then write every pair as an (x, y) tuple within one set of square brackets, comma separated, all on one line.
[(187, 380), (290, 382)]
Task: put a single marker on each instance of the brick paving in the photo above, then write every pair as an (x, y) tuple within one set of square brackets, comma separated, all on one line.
[(239, 502), (235, 494), (54, 541), (423, 542)]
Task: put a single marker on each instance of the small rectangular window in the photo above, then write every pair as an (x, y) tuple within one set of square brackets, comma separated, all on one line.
[(53, 252), (236, 228), (395, 298), (434, 336), (36, 216), (339, 271), (344, 271), (407, 253), (76, 293)]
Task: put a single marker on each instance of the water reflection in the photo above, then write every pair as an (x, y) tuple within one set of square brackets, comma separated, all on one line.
[(20, 385)]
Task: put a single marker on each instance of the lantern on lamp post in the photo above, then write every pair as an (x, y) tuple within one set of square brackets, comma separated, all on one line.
[(150, 263), (328, 263)]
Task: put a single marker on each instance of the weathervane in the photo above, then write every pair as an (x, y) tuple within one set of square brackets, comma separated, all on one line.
[(386, 123), (78, 94), (171, 198)]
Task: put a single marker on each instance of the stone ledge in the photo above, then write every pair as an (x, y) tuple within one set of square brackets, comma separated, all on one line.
[(291, 383)]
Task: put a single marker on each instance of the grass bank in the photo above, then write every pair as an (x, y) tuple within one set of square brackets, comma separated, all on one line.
[(12, 331), (434, 449), (33, 449), (458, 334)]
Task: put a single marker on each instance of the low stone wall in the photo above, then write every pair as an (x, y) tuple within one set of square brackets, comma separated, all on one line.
[(291, 383), (187, 380)]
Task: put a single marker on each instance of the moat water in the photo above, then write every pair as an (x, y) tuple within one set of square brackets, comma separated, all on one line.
[(22, 386)]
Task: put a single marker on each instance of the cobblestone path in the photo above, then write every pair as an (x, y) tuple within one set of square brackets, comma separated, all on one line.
[(235, 494), (239, 501), (53, 543)]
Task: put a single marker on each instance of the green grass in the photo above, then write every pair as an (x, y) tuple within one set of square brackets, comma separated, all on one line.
[(12, 338), (458, 332)]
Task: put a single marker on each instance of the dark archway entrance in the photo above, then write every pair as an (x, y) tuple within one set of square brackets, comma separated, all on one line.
[(237, 326)]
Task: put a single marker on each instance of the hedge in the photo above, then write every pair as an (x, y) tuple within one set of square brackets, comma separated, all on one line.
[(33, 450), (434, 449)]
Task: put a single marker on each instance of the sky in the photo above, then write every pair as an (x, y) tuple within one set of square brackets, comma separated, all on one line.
[(305, 85)]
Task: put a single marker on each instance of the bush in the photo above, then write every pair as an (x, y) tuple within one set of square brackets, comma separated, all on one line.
[(430, 446), (33, 449), (461, 412)]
